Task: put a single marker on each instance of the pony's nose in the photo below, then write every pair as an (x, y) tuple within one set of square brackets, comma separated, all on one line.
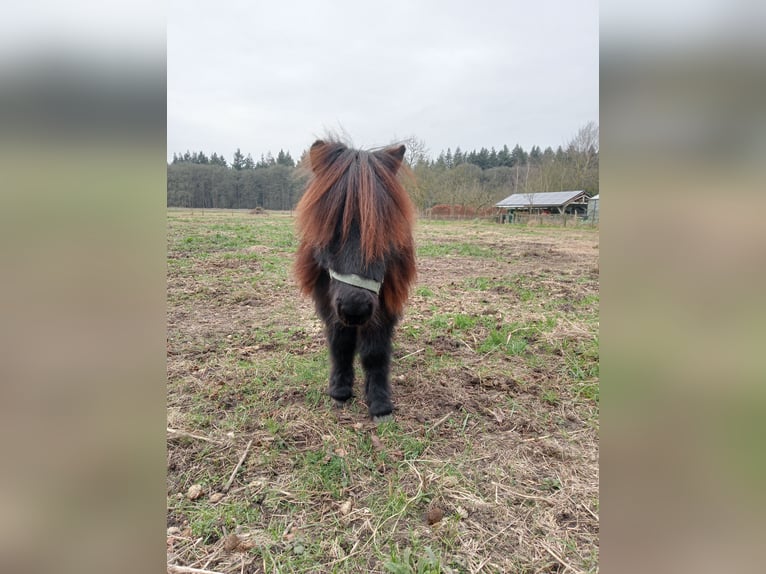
[(355, 309)]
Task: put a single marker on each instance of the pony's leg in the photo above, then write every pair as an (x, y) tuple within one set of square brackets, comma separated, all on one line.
[(375, 352), (342, 343)]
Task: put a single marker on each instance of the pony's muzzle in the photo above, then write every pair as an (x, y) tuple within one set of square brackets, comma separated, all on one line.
[(355, 306)]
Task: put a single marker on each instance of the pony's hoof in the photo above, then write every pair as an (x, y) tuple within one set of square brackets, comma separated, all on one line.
[(338, 404), (383, 418)]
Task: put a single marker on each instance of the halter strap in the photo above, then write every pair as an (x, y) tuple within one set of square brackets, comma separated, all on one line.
[(357, 281)]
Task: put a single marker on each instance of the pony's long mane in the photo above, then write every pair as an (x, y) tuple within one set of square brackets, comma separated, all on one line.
[(358, 186)]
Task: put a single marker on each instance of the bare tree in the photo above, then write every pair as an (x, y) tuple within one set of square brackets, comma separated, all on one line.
[(583, 152), (578, 169), (416, 150), (586, 139)]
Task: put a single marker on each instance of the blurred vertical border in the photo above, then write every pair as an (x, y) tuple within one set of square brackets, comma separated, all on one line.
[(683, 198), (82, 294)]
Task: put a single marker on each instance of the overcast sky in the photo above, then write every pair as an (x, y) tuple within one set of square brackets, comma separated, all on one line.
[(268, 75)]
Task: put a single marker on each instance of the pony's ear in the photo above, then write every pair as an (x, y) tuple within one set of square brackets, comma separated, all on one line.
[(316, 154), (322, 154), (393, 157)]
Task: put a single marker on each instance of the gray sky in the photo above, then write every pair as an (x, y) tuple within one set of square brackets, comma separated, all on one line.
[(268, 75)]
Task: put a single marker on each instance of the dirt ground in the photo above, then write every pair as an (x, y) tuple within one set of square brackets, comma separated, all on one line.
[(491, 463)]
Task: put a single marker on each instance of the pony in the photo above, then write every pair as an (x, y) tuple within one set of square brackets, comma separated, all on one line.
[(356, 260)]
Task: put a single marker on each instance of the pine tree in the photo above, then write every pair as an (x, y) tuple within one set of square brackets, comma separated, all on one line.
[(504, 157), (239, 160), (285, 159), (482, 158), (448, 159), (248, 163), (518, 155), (216, 159)]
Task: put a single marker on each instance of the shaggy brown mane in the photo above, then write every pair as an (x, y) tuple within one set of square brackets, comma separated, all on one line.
[(350, 185)]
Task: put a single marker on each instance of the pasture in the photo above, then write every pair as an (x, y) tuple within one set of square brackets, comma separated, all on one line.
[(491, 462)]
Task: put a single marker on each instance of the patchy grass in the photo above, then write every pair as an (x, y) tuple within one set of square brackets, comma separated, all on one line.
[(496, 383), (449, 249)]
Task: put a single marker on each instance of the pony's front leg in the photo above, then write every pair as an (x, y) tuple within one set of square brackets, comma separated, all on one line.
[(375, 352), (342, 343)]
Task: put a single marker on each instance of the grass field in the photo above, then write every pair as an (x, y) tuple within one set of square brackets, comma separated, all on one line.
[(491, 462)]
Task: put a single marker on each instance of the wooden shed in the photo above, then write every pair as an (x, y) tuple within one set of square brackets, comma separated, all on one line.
[(543, 203)]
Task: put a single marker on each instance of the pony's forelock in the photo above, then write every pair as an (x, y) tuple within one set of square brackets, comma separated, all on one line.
[(350, 185)]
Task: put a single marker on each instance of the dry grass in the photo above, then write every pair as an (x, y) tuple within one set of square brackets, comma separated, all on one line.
[(496, 430)]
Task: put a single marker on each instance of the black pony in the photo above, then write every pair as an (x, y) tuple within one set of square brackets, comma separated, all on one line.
[(357, 260)]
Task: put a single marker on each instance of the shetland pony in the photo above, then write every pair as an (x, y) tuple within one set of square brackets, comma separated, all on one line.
[(356, 259)]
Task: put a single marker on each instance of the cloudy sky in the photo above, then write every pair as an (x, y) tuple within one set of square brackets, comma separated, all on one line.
[(264, 76)]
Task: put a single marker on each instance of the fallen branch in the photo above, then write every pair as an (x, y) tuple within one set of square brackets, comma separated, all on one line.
[(175, 569), (534, 438), (236, 468), (595, 516), (409, 355), (520, 495), (441, 420), (508, 340), (481, 565), (576, 328), (468, 346), (181, 433), (495, 535), (351, 553), (563, 562)]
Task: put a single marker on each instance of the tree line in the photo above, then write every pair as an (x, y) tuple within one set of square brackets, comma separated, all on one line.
[(198, 180), (477, 179), (239, 161)]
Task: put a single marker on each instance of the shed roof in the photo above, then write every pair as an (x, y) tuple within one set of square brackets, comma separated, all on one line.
[(540, 199)]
